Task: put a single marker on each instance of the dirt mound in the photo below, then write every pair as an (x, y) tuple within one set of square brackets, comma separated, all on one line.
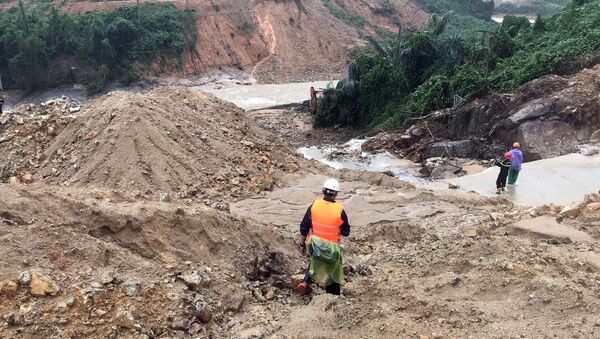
[(171, 140)]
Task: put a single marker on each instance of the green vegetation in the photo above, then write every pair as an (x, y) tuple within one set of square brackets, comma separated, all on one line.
[(41, 47), (420, 71), (348, 18), (300, 6), (358, 22)]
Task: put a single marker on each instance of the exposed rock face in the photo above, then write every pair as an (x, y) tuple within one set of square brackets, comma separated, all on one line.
[(549, 116), (461, 148)]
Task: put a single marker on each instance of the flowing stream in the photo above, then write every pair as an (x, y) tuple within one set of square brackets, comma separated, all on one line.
[(350, 156)]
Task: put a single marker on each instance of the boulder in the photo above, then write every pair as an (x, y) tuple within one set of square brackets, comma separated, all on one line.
[(445, 171), (460, 148)]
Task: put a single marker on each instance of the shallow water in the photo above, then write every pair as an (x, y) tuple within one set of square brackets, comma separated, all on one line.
[(560, 180), (251, 97), (350, 156)]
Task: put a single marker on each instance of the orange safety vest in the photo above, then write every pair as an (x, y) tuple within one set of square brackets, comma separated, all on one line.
[(326, 220)]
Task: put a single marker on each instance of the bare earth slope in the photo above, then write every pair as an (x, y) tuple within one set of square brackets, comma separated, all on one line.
[(283, 41)]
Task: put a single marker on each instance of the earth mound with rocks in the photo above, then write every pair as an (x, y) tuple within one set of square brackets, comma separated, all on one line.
[(170, 141), (26, 133)]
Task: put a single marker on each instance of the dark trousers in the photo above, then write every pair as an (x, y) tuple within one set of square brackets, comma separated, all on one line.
[(501, 181)]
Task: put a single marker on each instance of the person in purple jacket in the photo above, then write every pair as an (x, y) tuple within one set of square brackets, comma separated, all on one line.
[(516, 160)]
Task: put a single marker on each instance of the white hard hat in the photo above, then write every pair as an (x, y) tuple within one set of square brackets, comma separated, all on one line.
[(332, 185)]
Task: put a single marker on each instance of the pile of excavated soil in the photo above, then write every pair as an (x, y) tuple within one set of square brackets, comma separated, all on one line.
[(170, 140)]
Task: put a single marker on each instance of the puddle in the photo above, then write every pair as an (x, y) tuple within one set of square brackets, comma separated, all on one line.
[(561, 180), (350, 156)]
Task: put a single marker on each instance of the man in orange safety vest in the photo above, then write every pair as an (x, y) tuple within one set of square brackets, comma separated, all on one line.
[(324, 224)]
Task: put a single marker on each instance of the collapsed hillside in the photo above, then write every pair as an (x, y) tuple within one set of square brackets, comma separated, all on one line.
[(280, 41)]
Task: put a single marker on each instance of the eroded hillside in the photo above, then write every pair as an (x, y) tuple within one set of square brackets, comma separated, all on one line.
[(283, 41)]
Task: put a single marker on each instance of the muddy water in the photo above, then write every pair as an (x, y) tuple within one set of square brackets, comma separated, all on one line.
[(262, 96), (500, 17), (350, 156), (560, 180)]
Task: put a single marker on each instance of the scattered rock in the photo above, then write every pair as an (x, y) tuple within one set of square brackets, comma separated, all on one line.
[(180, 323), (453, 186), (292, 167), (107, 277), (124, 318), (222, 206), (131, 288), (203, 313), (571, 211), (24, 278), (258, 295), (8, 288), (42, 285), (196, 280), (15, 319)]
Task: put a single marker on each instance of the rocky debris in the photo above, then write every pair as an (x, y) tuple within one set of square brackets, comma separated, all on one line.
[(24, 278), (39, 284), (27, 132), (195, 280), (571, 211), (548, 228), (442, 168), (8, 288), (214, 151), (131, 288), (453, 186), (107, 277), (124, 318), (203, 313), (588, 150), (538, 114)]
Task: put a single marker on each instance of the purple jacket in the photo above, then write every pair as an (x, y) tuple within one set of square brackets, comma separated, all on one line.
[(516, 159)]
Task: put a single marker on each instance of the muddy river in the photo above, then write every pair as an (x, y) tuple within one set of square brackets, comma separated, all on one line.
[(251, 97)]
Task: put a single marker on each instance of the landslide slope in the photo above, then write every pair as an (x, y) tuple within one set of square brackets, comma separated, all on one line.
[(283, 41)]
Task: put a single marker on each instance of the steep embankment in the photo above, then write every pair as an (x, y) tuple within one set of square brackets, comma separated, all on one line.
[(550, 116), (287, 41)]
